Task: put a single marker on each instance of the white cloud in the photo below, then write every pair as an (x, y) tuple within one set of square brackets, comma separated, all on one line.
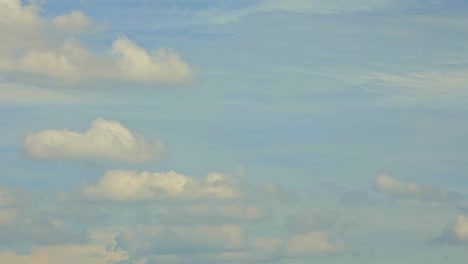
[(455, 232), (122, 185), (75, 20), (24, 50), (460, 228), (104, 140), (311, 243), (135, 63), (390, 185)]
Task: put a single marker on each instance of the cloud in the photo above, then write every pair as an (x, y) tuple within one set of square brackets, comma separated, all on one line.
[(298, 6), (75, 20), (137, 64), (104, 140), (24, 49), (120, 185), (33, 228), (455, 232), (219, 244), (324, 6), (8, 213), (315, 242), (167, 240), (18, 94), (413, 190), (306, 221), (70, 254), (18, 22), (209, 213)]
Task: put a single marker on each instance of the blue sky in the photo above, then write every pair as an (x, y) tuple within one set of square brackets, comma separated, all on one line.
[(220, 131)]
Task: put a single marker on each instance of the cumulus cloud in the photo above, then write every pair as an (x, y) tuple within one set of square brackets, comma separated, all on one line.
[(135, 63), (24, 50), (455, 232), (120, 185), (19, 24), (392, 186), (104, 140), (75, 20)]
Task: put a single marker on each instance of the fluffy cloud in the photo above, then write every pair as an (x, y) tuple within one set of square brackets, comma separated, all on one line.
[(20, 28), (122, 185), (135, 63), (105, 139), (24, 50), (455, 232), (75, 20), (390, 185)]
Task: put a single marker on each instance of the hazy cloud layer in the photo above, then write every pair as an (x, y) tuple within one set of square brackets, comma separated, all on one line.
[(105, 139)]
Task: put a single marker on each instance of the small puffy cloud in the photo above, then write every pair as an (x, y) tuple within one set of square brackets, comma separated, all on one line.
[(135, 63), (120, 185), (75, 20), (104, 140), (455, 232), (316, 242), (392, 186)]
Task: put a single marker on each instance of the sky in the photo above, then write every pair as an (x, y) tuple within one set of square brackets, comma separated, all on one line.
[(222, 131)]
